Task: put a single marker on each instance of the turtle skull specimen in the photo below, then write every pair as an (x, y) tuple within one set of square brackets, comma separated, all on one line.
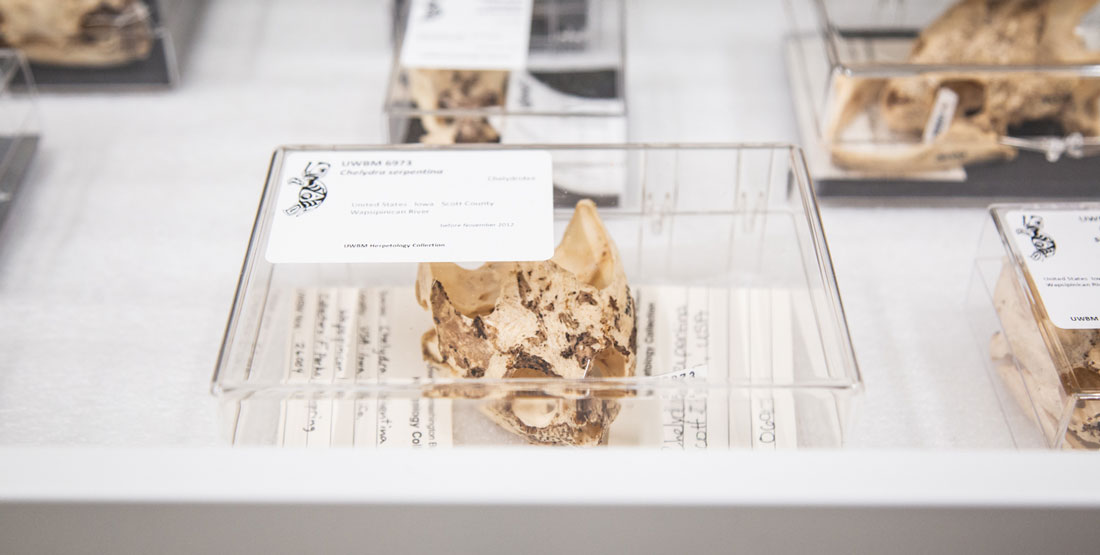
[(568, 317), (1022, 345), (447, 89), (77, 32), (990, 104)]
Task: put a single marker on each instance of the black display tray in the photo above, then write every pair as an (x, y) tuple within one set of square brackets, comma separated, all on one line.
[(596, 84), (1029, 174), (174, 23), (156, 70), (17, 152)]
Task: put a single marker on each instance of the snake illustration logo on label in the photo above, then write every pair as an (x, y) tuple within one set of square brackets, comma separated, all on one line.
[(433, 10), (1044, 244), (312, 191)]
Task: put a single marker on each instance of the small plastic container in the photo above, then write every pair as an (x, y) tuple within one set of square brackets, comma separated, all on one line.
[(568, 89), (1035, 309), (19, 132), (740, 342), (912, 98), (115, 43)]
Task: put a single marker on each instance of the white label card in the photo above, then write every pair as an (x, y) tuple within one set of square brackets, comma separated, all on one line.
[(1061, 250), (943, 111), (684, 334), (467, 34), (413, 206), (685, 374)]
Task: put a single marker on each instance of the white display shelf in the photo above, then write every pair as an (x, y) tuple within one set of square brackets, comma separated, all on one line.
[(234, 500), (118, 266), (119, 262)]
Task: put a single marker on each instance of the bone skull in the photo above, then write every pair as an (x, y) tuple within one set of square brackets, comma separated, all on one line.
[(77, 32), (569, 317), (1023, 357), (990, 104), (446, 89)]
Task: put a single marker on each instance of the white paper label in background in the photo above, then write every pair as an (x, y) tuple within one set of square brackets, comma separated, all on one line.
[(350, 341), (597, 120), (467, 34), (407, 206), (1061, 249), (683, 335), (943, 111), (303, 308), (686, 330), (685, 374)]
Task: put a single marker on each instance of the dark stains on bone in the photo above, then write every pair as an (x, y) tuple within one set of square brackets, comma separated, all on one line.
[(586, 297), (568, 320), (521, 359), (479, 328)]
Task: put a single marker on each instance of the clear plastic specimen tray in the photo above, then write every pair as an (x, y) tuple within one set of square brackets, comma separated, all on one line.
[(569, 87), (1034, 310), (876, 120), (741, 337), (119, 45)]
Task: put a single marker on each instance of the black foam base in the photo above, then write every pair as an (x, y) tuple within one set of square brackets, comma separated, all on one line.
[(17, 152), (155, 71), (1029, 174)]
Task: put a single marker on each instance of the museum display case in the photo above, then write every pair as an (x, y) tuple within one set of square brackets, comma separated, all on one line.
[(952, 97), (677, 319), (1035, 307), (542, 71)]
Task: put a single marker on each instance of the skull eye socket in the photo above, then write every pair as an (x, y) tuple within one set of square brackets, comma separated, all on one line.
[(971, 96), (608, 363)]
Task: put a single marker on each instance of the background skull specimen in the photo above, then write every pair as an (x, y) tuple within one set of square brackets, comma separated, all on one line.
[(1022, 345), (569, 317), (77, 32), (991, 104), (447, 89)]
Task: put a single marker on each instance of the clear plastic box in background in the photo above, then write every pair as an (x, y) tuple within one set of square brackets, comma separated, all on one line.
[(1047, 377), (19, 132), (115, 43), (877, 119), (723, 249), (570, 90)]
